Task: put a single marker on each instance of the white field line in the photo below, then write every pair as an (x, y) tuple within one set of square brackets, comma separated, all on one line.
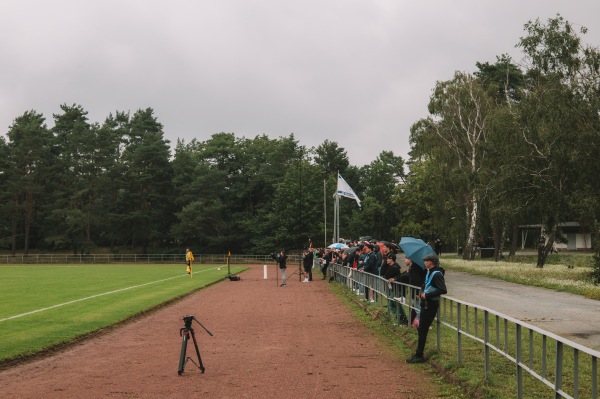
[(96, 296)]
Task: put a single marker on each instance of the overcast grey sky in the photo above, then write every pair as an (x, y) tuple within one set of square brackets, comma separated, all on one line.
[(357, 72)]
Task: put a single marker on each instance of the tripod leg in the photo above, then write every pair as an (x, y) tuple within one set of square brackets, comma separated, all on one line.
[(182, 355), (197, 350)]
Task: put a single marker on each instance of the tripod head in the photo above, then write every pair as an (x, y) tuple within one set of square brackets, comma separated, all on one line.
[(187, 321)]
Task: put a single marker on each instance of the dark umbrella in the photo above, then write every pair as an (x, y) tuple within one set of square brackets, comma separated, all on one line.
[(350, 250), (415, 249)]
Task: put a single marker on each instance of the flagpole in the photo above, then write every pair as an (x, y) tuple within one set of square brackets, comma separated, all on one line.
[(337, 238), (325, 211), (335, 205)]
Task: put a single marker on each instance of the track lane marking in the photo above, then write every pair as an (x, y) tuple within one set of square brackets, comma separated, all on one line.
[(96, 296)]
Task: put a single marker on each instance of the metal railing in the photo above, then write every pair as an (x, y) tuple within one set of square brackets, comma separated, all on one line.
[(562, 366)]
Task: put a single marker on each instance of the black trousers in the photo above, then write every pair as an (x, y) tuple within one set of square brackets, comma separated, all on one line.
[(428, 312)]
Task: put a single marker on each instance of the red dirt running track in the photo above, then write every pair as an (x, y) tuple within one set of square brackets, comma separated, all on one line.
[(299, 341)]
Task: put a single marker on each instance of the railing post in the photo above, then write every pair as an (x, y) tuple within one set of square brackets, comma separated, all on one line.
[(575, 374), (518, 360), (458, 332), (559, 368), (594, 377), (486, 341)]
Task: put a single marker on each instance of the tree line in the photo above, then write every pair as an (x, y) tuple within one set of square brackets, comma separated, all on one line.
[(507, 145), (82, 185), (514, 144)]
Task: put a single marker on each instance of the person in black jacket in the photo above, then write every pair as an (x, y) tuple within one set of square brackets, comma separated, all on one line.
[(433, 287), (327, 258), (282, 260), (391, 272), (416, 277), (307, 261)]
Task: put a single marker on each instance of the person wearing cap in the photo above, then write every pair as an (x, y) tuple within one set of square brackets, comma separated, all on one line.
[(433, 287)]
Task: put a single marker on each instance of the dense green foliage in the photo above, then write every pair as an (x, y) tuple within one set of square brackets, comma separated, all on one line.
[(512, 145), (503, 146)]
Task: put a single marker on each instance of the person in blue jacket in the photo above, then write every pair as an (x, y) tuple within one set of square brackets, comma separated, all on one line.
[(433, 287), (369, 265)]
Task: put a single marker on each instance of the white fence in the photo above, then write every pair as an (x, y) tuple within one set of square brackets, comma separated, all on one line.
[(133, 258)]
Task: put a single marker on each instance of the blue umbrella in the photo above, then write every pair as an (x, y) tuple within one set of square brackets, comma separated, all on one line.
[(415, 249), (338, 245)]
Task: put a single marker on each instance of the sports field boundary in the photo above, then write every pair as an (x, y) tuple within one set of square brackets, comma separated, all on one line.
[(65, 346)]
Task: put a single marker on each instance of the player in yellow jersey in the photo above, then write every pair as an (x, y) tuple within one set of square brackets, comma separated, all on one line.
[(189, 260)]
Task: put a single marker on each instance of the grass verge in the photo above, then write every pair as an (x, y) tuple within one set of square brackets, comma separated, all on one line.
[(399, 341), (566, 273)]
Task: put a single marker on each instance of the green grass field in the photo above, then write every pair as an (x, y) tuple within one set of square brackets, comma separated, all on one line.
[(42, 306)]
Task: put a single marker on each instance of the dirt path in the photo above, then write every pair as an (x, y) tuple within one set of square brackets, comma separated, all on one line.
[(269, 342)]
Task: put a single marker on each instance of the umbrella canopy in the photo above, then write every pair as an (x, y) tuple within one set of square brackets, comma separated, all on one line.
[(350, 250), (337, 245), (415, 249)]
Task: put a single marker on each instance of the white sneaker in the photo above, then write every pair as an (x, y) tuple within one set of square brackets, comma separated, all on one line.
[(305, 280), (372, 300)]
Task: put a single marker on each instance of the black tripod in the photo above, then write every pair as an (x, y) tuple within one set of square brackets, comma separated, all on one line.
[(299, 272), (185, 333)]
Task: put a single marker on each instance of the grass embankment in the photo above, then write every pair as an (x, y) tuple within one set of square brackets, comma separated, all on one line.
[(44, 307), (567, 273)]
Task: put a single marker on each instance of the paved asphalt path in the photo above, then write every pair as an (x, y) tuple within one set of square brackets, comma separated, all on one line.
[(570, 316)]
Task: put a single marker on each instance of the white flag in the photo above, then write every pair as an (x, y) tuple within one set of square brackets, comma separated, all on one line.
[(344, 190)]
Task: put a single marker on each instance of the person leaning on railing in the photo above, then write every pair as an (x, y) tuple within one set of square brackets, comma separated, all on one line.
[(416, 277), (369, 265), (433, 287)]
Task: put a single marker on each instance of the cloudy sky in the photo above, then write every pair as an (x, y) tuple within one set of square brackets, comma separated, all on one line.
[(357, 72)]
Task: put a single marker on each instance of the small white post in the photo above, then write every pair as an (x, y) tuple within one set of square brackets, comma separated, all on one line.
[(265, 271)]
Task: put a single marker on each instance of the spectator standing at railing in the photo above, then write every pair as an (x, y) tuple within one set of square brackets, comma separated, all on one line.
[(385, 250), (434, 286), (316, 257), (369, 265), (379, 258), (307, 261), (391, 273), (327, 257), (416, 277)]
